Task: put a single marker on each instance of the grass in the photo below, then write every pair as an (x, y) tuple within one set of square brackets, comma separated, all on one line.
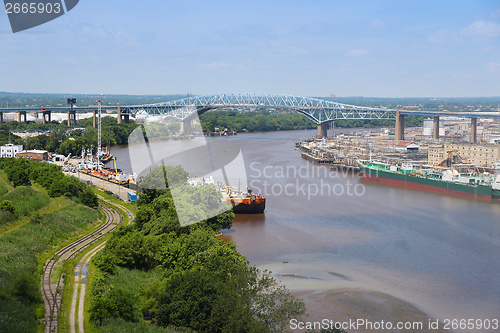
[(131, 279), (26, 200), (132, 207), (4, 178), (69, 268), (19, 249), (55, 204), (6, 218), (120, 325), (3, 188)]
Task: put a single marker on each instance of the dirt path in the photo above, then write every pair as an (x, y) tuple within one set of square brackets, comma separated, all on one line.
[(80, 281), (53, 281), (7, 184), (77, 317)]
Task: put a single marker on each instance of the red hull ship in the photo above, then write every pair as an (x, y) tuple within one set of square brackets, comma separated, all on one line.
[(246, 203)]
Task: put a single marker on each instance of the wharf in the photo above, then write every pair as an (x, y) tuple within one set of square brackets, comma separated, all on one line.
[(119, 191), (317, 159), (345, 167)]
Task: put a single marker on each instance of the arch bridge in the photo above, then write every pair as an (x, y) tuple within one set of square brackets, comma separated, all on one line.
[(318, 110)]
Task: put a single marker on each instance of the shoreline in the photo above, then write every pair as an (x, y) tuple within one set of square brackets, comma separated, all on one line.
[(351, 304)]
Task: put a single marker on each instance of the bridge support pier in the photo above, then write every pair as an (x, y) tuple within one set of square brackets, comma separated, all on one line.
[(71, 118), (473, 130), (323, 130), (122, 117), (435, 132), (186, 126), (46, 116), (400, 126), (119, 115), (1, 117), (20, 116)]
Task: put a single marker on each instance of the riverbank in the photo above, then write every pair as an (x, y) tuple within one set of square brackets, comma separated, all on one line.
[(433, 252), (369, 307)]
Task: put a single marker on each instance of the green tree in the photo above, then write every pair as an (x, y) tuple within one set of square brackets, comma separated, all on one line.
[(36, 218), (20, 177), (89, 198), (8, 206), (25, 286)]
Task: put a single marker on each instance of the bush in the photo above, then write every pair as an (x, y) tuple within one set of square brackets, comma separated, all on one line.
[(26, 200), (50, 177), (8, 206)]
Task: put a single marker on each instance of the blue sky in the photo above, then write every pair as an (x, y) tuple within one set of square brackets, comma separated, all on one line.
[(392, 48)]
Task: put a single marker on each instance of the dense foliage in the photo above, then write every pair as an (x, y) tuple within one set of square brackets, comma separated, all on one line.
[(260, 121), (63, 142), (21, 172), (21, 202), (20, 293), (190, 278)]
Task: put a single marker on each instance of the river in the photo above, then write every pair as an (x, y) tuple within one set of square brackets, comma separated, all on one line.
[(351, 247)]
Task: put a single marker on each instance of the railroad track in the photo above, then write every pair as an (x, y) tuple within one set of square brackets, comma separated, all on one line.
[(52, 292), (125, 209)]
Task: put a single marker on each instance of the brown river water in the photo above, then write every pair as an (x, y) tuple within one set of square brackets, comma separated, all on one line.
[(362, 251)]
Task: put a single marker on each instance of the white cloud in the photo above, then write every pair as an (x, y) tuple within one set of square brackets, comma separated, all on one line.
[(214, 65), (482, 28), (356, 53), (443, 35), (492, 66), (377, 24), (496, 13)]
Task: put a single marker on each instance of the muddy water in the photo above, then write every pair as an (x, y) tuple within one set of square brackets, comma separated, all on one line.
[(438, 255)]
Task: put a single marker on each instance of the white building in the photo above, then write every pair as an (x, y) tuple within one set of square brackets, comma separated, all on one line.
[(429, 127), (10, 150), (406, 146)]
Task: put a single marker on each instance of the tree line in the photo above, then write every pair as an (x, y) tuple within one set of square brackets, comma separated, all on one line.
[(59, 139), (261, 121), (22, 172), (201, 282)]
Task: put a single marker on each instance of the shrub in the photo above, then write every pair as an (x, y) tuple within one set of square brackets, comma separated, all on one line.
[(8, 206)]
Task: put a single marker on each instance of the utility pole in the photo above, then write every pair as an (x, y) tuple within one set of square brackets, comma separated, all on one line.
[(99, 136)]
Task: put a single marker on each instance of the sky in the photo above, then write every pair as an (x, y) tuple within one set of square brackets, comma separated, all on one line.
[(373, 48)]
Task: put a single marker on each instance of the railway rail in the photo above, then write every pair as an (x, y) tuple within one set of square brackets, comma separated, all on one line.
[(52, 292)]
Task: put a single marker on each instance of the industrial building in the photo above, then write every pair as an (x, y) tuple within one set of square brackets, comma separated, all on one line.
[(10, 150), (485, 155), (429, 127), (406, 146), (34, 155)]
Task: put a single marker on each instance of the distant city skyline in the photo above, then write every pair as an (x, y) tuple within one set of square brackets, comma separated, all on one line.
[(309, 48)]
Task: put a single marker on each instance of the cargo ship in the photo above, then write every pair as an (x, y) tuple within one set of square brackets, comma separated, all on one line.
[(244, 203), (435, 179), (241, 202), (106, 155), (90, 165)]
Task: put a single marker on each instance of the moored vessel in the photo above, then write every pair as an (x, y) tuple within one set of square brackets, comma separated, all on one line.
[(244, 203), (444, 180), (241, 202)]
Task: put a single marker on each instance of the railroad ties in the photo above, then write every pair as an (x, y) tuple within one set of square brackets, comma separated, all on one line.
[(52, 290)]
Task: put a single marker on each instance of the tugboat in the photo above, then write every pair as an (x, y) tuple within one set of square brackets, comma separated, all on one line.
[(244, 203), (106, 155), (241, 202)]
